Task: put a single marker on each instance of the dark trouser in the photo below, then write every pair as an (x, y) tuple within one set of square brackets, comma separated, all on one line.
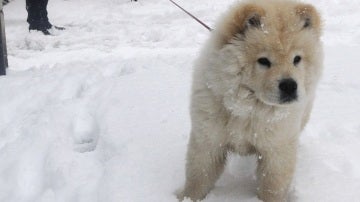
[(3, 54), (37, 14)]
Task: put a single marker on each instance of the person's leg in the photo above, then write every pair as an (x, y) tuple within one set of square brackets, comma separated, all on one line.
[(44, 14), (38, 16), (35, 13)]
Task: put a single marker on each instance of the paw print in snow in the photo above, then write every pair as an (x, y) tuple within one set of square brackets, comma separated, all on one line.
[(85, 133)]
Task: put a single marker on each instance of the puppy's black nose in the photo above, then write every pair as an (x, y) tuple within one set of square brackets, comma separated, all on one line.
[(288, 86), (288, 90)]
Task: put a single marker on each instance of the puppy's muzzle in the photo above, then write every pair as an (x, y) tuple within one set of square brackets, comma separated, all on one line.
[(288, 90)]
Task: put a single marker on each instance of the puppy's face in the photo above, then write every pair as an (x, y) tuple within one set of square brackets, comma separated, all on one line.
[(277, 47)]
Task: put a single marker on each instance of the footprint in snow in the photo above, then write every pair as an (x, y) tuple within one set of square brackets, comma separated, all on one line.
[(85, 133)]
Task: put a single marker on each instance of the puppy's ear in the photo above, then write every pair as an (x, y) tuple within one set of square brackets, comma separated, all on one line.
[(243, 18), (247, 17), (252, 21), (310, 18)]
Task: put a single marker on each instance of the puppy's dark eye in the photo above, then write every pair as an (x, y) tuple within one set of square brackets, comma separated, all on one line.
[(297, 60), (264, 62)]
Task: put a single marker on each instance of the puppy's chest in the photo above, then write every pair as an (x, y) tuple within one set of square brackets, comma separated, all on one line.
[(257, 127)]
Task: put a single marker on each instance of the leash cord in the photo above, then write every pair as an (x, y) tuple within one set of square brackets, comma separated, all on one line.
[(195, 18)]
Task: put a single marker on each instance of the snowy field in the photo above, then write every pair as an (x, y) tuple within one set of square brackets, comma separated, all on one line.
[(99, 112)]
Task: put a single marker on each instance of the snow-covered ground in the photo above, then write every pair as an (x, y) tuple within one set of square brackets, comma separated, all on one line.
[(99, 112)]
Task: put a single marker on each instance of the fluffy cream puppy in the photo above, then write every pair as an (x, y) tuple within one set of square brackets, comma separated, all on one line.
[(253, 89)]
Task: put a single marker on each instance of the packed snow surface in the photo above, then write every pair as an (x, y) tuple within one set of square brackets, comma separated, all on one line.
[(99, 112)]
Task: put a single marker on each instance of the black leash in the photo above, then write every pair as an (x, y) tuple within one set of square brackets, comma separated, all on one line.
[(195, 18)]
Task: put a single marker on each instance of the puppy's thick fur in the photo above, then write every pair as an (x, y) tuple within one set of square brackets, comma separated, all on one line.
[(253, 89)]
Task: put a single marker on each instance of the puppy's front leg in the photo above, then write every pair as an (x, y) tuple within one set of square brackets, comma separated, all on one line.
[(205, 163), (275, 171)]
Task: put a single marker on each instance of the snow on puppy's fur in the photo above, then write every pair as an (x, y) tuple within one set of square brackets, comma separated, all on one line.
[(253, 89)]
